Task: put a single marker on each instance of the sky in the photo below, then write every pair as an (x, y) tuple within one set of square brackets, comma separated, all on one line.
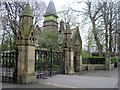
[(58, 5)]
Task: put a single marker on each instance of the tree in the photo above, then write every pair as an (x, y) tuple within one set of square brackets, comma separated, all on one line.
[(110, 12), (103, 17), (94, 15), (68, 16), (48, 39), (90, 42), (85, 54), (93, 12), (11, 16), (118, 31)]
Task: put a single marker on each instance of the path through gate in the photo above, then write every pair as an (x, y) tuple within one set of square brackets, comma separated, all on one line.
[(9, 66), (49, 62)]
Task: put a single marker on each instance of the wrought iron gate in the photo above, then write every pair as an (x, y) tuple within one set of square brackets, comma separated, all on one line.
[(48, 62), (9, 66)]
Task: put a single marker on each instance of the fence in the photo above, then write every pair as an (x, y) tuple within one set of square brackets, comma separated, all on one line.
[(9, 66), (48, 62)]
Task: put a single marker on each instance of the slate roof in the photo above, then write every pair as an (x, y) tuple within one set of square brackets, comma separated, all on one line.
[(75, 36), (50, 10)]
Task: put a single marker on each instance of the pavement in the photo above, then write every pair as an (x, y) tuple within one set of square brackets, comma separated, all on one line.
[(84, 79)]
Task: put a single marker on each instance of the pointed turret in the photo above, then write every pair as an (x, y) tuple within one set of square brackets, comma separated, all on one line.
[(50, 17), (27, 11), (26, 23), (51, 9)]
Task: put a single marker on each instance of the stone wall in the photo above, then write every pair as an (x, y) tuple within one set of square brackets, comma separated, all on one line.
[(95, 67)]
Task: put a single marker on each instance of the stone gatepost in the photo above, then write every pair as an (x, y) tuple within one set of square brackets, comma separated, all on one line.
[(108, 63), (26, 57), (69, 63), (69, 68), (81, 63), (26, 48)]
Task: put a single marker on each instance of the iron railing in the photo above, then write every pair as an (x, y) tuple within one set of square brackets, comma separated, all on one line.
[(48, 62)]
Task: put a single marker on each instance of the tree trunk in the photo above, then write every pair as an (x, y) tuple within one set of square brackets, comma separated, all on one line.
[(119, 44), (110, 40), (106, 41), (99, 46), (118, 30)]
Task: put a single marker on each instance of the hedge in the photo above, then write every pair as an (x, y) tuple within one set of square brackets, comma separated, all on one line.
[(93, 60)]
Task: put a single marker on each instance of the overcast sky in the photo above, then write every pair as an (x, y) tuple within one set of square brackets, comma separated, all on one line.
[(58, 5)]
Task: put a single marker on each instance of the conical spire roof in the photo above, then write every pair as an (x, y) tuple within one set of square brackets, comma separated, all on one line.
[(27, 11), (50, 10)]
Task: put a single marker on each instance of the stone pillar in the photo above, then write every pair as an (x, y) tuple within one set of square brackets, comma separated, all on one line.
[(26, 47), (69, 65), (80, 63), (66, 60), (108, 63), (26, 63)]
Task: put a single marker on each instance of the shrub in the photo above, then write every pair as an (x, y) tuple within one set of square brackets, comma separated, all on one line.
[(113, 59), (94, 60)]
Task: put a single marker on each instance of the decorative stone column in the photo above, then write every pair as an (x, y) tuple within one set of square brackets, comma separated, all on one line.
[(69, 63), (26, 48)]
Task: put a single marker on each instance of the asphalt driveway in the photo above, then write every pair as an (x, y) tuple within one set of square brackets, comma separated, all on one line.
[(85, 79)]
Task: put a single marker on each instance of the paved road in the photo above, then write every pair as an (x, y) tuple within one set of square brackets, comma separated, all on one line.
[(76, 81), (87, 79), (100, 73)]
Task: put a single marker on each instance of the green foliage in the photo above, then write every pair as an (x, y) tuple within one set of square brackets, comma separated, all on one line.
[(48, 38), (113, 59), (44, 64), (95, 60), (5, 46), (85, 54), (97, 57), (56, 67), (8, 60), (9, 43)]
